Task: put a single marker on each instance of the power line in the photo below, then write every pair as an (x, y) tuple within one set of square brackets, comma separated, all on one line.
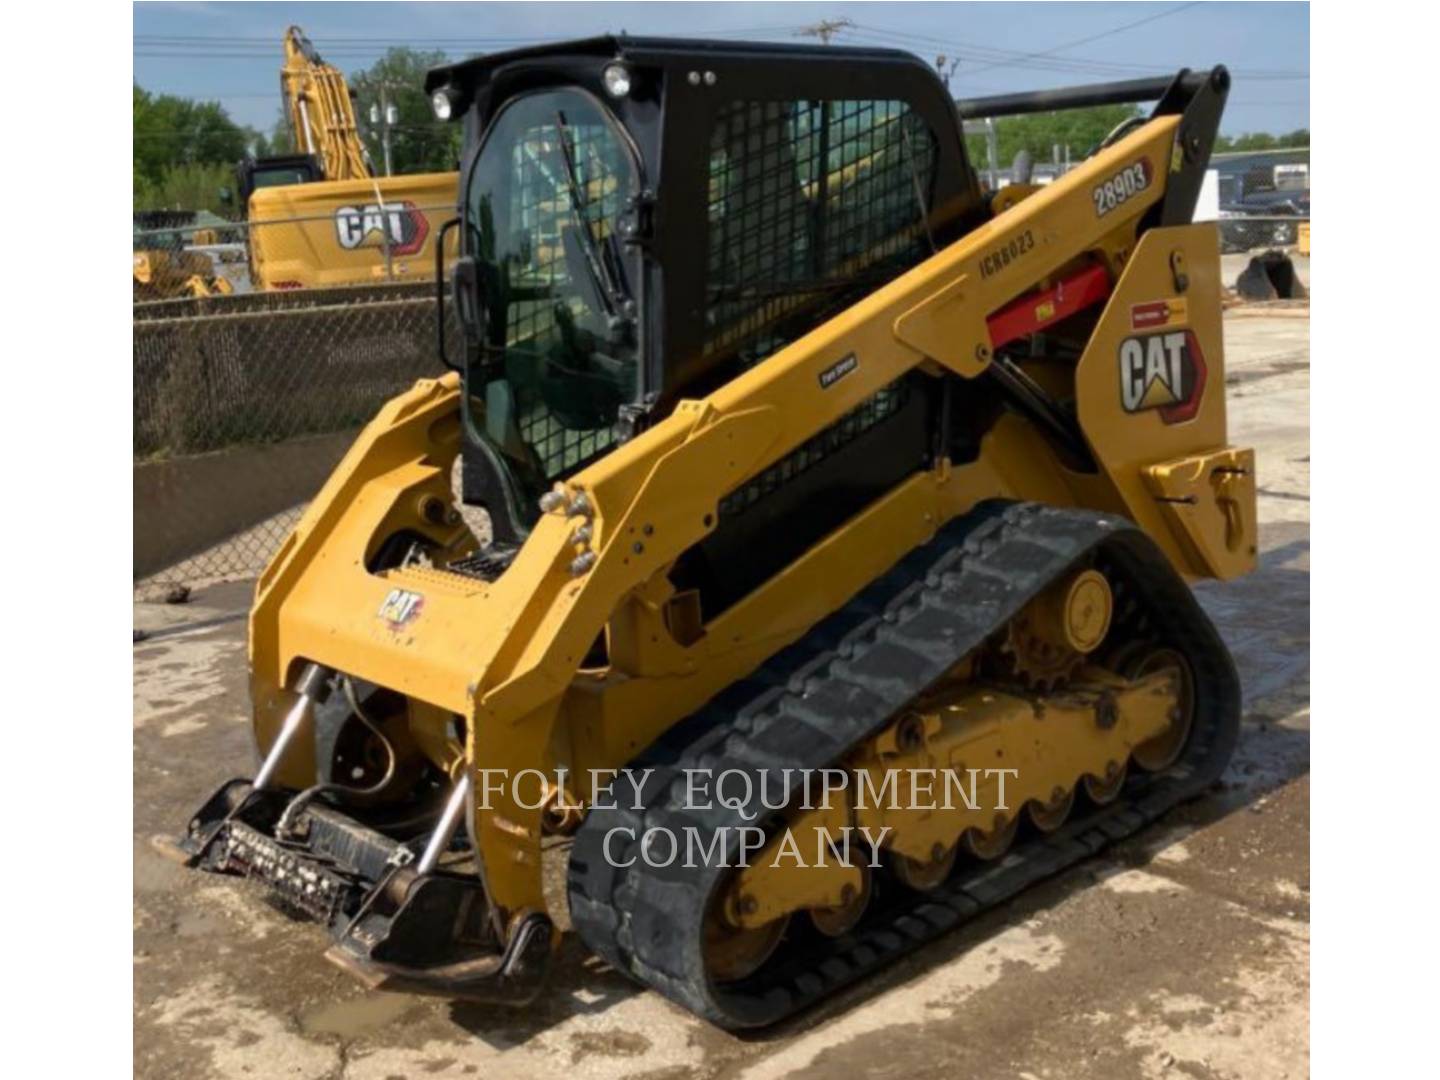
[(1110, 33), (991, 57), (444, 40), (210, 47), (1079, 67), (194, 47), (222, 49), (1014, 56), (199, 46)]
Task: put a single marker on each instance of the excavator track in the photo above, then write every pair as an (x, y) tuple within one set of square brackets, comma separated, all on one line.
[(839, 684)]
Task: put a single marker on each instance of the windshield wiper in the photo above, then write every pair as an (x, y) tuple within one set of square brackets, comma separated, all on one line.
[(601, 273)]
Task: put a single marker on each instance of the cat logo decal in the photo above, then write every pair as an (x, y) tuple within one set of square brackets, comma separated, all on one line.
[(1162, 371), (400, 608)]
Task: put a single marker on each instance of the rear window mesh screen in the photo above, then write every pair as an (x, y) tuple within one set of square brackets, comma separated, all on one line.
[(812, 204)]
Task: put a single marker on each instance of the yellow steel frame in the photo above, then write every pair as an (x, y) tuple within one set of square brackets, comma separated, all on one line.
[(506, 656)]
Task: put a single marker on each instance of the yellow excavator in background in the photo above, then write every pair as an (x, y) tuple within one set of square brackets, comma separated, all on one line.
[(320, 217)]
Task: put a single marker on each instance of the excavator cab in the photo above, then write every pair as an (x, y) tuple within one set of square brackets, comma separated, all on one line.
[(252, 174), (644, 219)]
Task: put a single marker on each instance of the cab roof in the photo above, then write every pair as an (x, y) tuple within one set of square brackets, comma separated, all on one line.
[(473, 74)]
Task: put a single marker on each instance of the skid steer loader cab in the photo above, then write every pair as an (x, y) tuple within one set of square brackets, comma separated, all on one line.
[(647, 218), (802, 460)]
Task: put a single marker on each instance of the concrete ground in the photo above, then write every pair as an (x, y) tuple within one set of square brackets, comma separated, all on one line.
[(1182, 953)]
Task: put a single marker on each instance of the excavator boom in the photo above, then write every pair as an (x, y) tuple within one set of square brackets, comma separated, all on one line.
[(321, 111)]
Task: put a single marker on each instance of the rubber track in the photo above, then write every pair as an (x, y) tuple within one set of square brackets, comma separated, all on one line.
[(840, 683)]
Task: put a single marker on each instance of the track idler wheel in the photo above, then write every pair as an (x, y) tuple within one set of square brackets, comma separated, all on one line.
[(1164, 749), (733, 952)]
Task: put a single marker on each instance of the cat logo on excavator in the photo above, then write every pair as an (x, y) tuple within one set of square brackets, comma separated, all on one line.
[(405, 225)]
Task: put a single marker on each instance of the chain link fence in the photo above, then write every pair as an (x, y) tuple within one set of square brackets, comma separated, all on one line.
[(189, 253), (1259, 199), (1254, 233), (245, 398)]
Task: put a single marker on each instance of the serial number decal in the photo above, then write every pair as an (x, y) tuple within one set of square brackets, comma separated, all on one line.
[(838, 370), (1007, 253), (1121, 187), (400, 607), (1162, 371)]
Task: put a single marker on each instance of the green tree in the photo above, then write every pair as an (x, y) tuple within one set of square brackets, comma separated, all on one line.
[(1230, 144), (279, 141), (1258, 140), (174, 133), (188, 187), (418, 142), (1081, 130)]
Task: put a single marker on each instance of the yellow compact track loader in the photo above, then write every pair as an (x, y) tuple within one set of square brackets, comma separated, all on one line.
[(832, 580)]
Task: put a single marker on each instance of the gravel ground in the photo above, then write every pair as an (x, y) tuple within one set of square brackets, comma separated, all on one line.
[(1182, 953)]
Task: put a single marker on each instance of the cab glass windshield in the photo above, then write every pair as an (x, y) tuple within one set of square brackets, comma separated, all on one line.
[(263, 178), (542, 208)]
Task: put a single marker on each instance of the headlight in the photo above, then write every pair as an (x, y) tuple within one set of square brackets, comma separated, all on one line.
[(616, 78), (443, 102)]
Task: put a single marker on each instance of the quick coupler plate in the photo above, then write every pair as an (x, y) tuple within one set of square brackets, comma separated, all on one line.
[(435, 933)]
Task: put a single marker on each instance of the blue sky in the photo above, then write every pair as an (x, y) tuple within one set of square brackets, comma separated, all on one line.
[(231, 52)]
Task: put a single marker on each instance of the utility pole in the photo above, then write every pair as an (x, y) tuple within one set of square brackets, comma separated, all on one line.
[(388, 112), (825, 29), (945, 67), (385, 116)]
